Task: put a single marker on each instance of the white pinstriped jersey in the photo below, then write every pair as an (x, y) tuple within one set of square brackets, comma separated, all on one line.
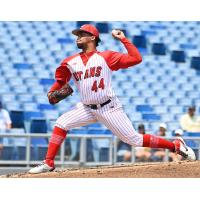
[(92, 75), (93, 80)]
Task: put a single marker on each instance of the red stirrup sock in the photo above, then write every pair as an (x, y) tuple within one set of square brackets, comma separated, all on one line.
[(56, 140), (153, 141)]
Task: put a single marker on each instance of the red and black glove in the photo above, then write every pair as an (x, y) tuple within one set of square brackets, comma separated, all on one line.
[(58, 95)]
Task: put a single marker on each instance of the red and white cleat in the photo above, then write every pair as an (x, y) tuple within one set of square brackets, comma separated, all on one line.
[(182, 149), (41, 168)]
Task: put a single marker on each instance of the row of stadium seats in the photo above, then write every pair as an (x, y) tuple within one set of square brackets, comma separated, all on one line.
[(167, 79)]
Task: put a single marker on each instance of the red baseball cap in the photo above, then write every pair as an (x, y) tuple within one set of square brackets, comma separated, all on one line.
[(88, 28)]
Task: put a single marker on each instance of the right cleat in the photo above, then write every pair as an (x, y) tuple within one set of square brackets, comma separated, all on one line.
[(41, 168), (182, 149)]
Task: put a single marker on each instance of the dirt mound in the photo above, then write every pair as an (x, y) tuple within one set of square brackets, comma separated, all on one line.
[(182, 169)]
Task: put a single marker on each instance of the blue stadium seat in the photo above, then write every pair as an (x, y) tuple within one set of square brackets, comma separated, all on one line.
[(80, 23), (161, 109), (38, 126), (43, 74), (167, 117), (17, 117), (151, 117), (51, 114), (22, 66), (185, 101), (169, 101), (147, 93), (42, 149), (33, 153), (28, 115), (37, 89), (173, 125), (187, 46), (159, 49), (26, 73), (94, 126), (193, 94), (31, 81), (162, 93), (148, 32), (178, 56), (78, 131), (51, 125), (141, 86), (45, 107), (104, 155), (135, 117), (144, 108), (89, 151), (29, 106), (4, 89), (178, 94), (195, 63), (119, 92), (65, 40), (24, 97), (8, 153), (46, 81), (13, 105), (107, 132), (188, 87), (138, 100), (139, 41), (158, 26), (15, 81), (103, 27), (154, 101), (95, 131), (19, 89), (125, 100), (10, 74), (156, 86), (154, 126), (175, 109), (17, 141), (8, 97), (39, 141), (21, 153)]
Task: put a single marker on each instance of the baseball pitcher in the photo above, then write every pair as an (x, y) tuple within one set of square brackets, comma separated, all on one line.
[(91, 72)]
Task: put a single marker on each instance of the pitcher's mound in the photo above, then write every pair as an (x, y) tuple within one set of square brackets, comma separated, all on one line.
[(183, 169)]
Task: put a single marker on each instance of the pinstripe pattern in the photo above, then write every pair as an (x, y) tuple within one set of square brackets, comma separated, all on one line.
[(79, 116), (111, 115), (84, 86), (116, 120)]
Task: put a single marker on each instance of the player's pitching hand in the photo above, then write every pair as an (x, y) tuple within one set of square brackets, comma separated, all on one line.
[(118, 34)]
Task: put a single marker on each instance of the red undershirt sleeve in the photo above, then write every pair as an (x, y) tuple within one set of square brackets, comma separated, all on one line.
[(62, 76), (116, 60)]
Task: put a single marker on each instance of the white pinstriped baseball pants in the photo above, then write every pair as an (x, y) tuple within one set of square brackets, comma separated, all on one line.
[(111, 115)]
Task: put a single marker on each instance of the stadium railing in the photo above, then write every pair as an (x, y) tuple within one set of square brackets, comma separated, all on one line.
[(61, 159)]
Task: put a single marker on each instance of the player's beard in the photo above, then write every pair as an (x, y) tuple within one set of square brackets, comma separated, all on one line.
[(80, 45)]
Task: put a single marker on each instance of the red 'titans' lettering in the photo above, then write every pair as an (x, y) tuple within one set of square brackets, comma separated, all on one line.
[(92, 72), (98, 71), (78, 75)]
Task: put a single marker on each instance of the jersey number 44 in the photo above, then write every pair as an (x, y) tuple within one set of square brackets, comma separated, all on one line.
[(98, 85)]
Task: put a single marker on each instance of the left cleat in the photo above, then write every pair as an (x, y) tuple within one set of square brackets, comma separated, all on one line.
[(182, 149)]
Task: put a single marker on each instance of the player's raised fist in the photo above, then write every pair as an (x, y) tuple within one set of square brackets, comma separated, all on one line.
[(118, 34)]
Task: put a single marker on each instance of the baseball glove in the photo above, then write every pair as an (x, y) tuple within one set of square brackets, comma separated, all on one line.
[(58, 95)]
